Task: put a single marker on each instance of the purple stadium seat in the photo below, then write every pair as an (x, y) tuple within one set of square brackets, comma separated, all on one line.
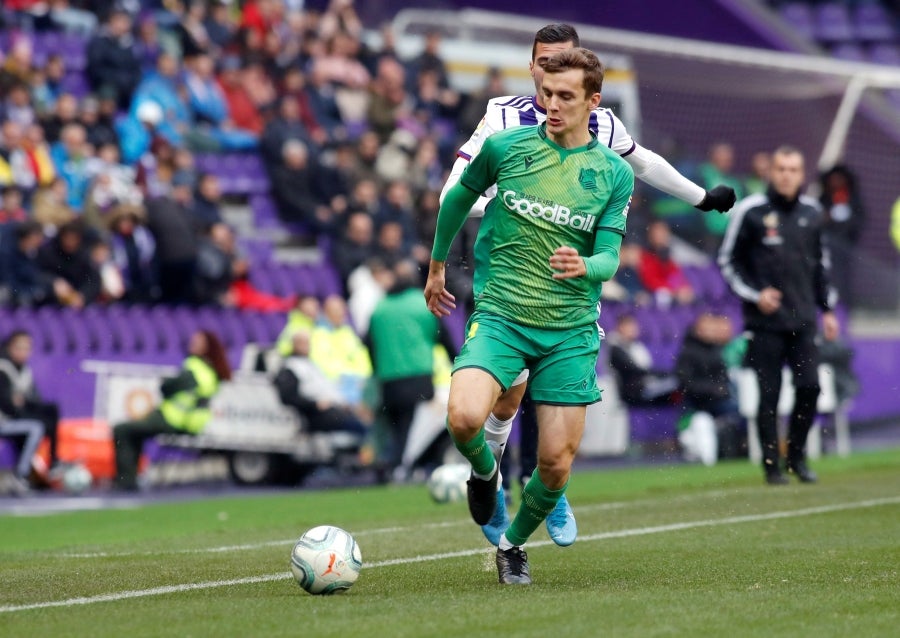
[(653, 425), (76, 83), (205, 163), (257, 249), (284, 279), (832, 23), (146, 338), (74, 47), (9, 455), (265, 212), (800, 17), (885, 53), (850, 51), (275, 322), (327, 281), (873, 23), (261, 277), (257, 329), (78, 336), (893, 96), (103, 341), (157, 453), (162, 318), (233, 321)]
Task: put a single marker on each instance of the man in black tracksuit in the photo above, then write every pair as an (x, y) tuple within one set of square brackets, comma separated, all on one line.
[(773, 258)]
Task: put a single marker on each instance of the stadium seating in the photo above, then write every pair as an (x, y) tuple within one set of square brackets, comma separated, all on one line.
[(873, 23), (831, 22), (885, 53), (799, 16), (854, 31), (238, 173)]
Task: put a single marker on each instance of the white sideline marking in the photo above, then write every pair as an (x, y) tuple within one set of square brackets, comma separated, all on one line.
[(391, 530), (625, 533)]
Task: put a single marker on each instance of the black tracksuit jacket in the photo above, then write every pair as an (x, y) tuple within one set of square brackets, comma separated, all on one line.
[(773, 241)]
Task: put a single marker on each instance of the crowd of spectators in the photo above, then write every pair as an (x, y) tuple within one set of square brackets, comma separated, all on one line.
[(352, 138)]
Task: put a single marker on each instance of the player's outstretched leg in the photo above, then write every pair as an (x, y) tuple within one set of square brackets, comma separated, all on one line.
[(561, 525), (512, 566), (537, 502)]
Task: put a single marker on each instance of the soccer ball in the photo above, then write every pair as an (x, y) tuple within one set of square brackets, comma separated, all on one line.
[(76, 479), (447, 484), (326, 560)]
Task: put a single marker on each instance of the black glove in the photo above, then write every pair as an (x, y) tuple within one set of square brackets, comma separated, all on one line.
[(720, 198)]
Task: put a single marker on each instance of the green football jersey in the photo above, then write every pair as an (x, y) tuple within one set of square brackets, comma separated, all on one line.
[(547, 197)]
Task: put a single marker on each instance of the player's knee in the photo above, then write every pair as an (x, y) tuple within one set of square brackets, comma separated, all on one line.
[(554, 471), (464, 420)]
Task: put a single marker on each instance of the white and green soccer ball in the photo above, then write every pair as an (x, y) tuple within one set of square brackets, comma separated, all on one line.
[(76, 479), (326, 560), (447, 484)]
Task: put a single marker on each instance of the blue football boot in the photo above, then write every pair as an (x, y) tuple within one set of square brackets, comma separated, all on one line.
[(495, 527), (561, 523)]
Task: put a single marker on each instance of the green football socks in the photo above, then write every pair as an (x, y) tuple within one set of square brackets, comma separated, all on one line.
[(537, 502), (478, 453)]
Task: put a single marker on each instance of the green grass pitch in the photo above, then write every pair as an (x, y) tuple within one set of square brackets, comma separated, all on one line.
[(662, 551)]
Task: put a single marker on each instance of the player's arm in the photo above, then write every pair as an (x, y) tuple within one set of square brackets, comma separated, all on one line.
[(602, 264), (479, 174), (656, 171), (490, 124), (478, 208), (452, 215)]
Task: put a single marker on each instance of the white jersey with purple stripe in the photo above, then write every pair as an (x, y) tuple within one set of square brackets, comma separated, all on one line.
[(523, 110)]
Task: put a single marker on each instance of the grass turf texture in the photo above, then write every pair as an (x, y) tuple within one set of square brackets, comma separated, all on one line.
[(662, 551)]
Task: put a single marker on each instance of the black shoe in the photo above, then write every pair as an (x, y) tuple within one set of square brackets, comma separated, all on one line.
[(799, 469), (776, 478), (482, 495), (512, 566)]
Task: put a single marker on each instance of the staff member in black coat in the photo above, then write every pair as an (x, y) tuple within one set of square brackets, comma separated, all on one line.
[(773, 258)]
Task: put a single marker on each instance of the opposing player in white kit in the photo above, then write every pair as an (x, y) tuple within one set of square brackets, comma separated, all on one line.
[(523, 110)]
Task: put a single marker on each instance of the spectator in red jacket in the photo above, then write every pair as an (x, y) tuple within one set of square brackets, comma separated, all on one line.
[(659, 272), (242, 110)]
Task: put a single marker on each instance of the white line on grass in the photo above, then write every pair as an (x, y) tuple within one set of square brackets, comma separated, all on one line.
[(390, 530), (625, 533)]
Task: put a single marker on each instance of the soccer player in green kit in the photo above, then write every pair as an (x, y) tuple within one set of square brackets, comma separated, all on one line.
[(548, 240)]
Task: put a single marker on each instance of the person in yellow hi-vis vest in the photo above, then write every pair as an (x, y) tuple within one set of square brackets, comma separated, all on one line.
[(184, 408)]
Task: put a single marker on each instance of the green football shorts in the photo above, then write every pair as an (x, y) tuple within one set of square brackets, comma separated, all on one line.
[(563, 362)]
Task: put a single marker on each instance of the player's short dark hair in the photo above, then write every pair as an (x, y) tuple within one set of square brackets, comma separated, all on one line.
[(555, 33), (578, 58), (788, 149)]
